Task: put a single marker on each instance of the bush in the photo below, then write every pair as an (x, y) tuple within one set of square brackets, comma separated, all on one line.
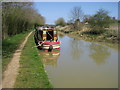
[(60, 22), (18, 17), (97, 30), (100, 21)]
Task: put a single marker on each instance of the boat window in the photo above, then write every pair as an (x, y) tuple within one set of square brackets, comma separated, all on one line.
[(50, 35), (44, 32), (55, 32)]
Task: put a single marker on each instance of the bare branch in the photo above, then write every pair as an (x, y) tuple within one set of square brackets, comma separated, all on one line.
[(77, 13)]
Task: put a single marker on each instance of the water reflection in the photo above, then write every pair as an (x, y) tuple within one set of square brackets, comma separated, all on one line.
[(50, 58), (80, 63), (75, 49), (99, 53)]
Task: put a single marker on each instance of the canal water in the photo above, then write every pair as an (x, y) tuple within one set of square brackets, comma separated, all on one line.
[(82, 64)]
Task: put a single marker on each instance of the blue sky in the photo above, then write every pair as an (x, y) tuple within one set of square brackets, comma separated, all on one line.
[(54, 10)]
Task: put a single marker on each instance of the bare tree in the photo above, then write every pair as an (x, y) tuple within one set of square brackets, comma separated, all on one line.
[(86, 18), (76, 17), (77, 13)]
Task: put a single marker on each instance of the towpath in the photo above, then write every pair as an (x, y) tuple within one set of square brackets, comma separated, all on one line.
[(12, 69)]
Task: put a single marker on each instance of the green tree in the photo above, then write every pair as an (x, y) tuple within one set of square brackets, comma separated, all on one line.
[(18, 17), (60, 21), (100, 21)]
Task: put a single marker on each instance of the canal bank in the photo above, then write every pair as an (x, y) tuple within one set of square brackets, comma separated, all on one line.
[(110, 44), (82, 64), (109, 36)]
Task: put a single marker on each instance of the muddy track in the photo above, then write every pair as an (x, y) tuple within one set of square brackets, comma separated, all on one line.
[(12, 69)]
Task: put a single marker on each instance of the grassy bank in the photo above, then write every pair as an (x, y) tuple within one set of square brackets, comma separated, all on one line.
[(110, 36), (9, 46), (31, 72)]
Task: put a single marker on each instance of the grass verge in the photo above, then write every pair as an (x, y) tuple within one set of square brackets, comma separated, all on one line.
[(31, 71), (110, 36), (9, 46)]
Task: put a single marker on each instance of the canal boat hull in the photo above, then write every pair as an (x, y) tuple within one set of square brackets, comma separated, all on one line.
[(49, 46)]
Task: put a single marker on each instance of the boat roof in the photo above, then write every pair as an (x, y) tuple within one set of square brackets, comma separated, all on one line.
[(44, 28)]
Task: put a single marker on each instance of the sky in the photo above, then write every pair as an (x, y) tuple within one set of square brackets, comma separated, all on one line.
[(60, 0), (54, 10)]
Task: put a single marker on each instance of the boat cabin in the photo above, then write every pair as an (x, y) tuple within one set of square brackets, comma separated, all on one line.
[(46, 35)]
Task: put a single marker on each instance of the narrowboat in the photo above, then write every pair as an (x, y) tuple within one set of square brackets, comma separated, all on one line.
[(46, 38)]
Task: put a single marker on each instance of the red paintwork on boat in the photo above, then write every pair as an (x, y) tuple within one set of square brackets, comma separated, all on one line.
[(50, 43)]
